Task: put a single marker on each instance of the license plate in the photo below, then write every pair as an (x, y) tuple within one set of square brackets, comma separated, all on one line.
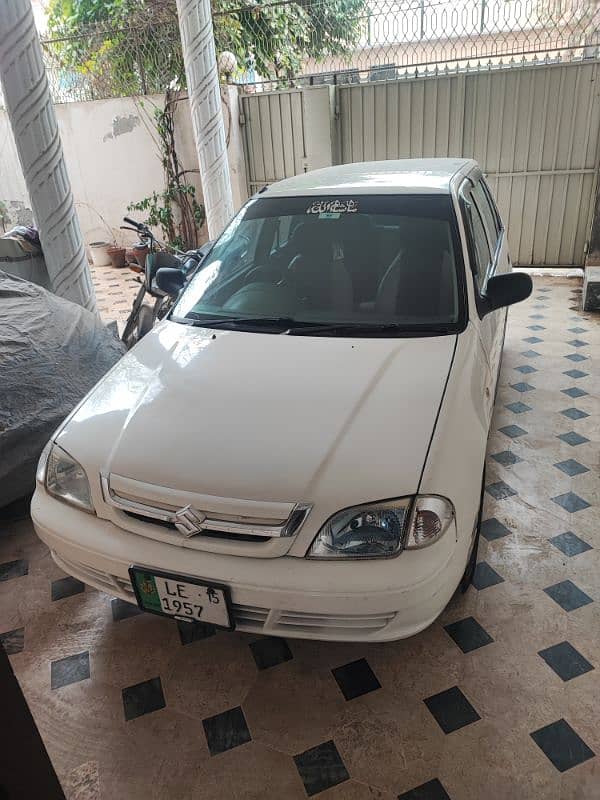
[(181, 597)]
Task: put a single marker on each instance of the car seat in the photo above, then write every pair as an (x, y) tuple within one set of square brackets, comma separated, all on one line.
[(420, 281), (321, 282)]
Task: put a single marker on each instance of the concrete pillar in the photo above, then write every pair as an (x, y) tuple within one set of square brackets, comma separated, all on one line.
[(33, 122), (195, 23)]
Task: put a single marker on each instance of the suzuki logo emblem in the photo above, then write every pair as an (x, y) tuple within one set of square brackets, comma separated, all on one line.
[(188, 521)]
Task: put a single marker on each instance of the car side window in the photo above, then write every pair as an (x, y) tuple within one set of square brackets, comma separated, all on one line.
[(481, 250), (487, 214)]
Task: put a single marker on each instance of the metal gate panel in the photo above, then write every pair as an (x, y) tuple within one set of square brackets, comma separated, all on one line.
[(534, 130), (273, 136)]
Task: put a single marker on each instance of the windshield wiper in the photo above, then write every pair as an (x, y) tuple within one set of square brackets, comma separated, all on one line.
[(259, 322), (358, 328), (294, 327)]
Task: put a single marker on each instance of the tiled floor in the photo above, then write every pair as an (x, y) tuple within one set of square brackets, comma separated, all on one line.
[(500, 698), (115, 292)]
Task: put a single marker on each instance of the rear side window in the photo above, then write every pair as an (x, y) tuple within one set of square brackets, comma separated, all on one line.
[(487, 213), (480, 249)]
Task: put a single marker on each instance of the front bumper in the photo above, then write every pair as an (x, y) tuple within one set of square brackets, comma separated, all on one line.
[(294, 597)]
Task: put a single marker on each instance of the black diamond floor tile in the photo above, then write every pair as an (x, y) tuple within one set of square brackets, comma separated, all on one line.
[(531, 354), (537, 316), (485, 576), (13, 569), (573, 438), (533, 339), (320, 768), (226, 730), (571, 467), (523, 386), (567, 662), (578, 343), (574, 391), (574, 413), (576, 357), (525, 369), (71, 669), (432, 790), (468, 634), (492, 529), (513, 431), (568, 596), (570, 544), (13, 641), (571, 502), (575, 373), (518, 407), (561, 745), (451, 710), (356, 678), (194, 631), (143, 698), (500, 490), (507, 458), (577, 330), (536, 328), (269, 652), (66, 587), (122, 610)]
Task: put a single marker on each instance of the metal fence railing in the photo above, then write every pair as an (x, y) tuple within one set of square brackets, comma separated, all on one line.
[(277, 43), (103, 61)]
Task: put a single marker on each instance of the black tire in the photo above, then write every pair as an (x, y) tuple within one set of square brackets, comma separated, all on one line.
[(129, 337), (467, 577)]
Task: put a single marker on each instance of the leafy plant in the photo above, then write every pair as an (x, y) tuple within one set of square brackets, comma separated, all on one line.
[(274, 36), (176, 209)]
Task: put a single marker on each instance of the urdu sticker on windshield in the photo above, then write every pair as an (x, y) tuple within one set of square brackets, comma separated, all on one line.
[(332, 209)]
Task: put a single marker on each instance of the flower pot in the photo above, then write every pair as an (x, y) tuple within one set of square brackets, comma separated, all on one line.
[(140, 252), (117, 256), (99, 254)]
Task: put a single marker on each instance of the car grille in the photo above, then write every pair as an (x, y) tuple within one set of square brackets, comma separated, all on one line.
[(252, 618), (165, 517)]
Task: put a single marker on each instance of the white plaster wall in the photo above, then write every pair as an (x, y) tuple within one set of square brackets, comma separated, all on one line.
[(112, 160)]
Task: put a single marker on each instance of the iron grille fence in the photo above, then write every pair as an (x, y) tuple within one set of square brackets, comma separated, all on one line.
[(282, 43), (100, 61)]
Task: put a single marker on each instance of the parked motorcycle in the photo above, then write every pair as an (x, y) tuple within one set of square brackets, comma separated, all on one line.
[(144, 314)]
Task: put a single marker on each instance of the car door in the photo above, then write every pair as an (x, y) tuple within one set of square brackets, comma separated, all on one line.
[(500, 263), (488, 256)]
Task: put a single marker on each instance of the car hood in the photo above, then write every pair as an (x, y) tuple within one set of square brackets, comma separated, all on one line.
[(266, 417)]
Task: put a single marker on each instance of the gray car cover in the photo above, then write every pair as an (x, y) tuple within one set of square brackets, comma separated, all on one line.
[(52, 352)]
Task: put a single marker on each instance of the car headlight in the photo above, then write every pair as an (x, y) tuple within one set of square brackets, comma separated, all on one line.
[(381, 530), (65, 478)]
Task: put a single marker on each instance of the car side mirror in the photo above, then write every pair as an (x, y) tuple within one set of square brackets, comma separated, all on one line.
[(504, 290), (170, 280)]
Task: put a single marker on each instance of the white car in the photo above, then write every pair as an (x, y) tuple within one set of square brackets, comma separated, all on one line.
[(298, 449)]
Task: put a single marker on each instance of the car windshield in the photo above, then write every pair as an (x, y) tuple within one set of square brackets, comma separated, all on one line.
[(332, 265)]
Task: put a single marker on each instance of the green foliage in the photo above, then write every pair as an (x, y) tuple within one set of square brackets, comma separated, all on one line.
[(120, 47), (158, 213), (175, 210), (274, 36), (279, 37)]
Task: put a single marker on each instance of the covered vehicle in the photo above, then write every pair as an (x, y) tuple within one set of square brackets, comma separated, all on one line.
[(21, 255), (319, 400), (52, 352)]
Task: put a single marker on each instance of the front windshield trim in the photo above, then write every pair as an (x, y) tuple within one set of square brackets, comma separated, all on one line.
[(256, 208)]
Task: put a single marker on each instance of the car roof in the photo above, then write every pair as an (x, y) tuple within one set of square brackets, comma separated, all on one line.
[(403, 176)]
